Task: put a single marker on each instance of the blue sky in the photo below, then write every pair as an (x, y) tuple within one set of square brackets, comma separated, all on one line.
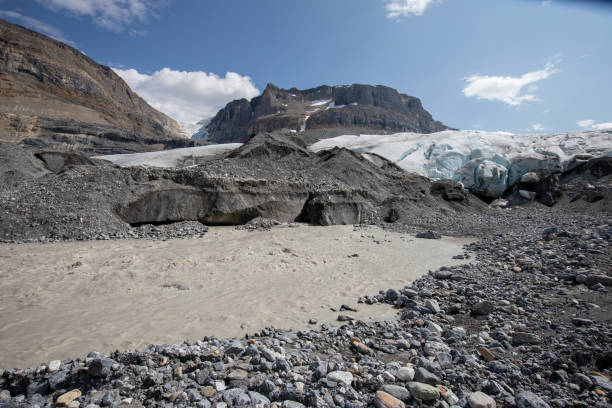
[(514, 65)]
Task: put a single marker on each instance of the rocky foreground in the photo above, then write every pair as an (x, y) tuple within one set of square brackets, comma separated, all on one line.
[(527, 324)]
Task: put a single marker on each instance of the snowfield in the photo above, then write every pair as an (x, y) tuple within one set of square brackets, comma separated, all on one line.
[(485, 162), (169, 158)]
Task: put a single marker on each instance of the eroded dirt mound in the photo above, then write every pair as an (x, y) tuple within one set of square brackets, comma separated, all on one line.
[(55, 195)]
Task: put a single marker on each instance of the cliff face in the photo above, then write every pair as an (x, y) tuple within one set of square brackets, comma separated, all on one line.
[(53, 94), (322, 112)]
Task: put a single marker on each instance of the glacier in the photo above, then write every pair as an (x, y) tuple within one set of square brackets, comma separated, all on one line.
[(182, 157), (486, 163)]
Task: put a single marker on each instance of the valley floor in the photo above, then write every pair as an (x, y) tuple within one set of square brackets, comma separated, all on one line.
[(66, 299), (525, 323)]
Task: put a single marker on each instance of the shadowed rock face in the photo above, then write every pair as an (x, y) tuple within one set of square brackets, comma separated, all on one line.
[(322, 112), (54, 95)]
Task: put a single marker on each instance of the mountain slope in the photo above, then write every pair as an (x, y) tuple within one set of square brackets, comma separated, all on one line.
[(53, 94), (322, 112)]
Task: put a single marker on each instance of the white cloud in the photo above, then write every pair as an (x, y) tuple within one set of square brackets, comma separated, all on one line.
[(185, 96), (507, 89), (590, 124), (538, 127), (36, 25), (587, 123), (111, 14), (406, 8), (602, 126)]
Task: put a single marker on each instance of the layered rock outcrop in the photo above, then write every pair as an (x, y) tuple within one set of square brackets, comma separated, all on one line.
[(322, 112), (54, 95)]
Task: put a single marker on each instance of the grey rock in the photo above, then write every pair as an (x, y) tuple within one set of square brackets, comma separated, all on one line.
[(257, 398), (237, 375), (601, 279), (54, 366), (429, 235), (341, 376), (483, 308), (397, 391), (405, 374), (578, 321), (391, 295), (319, 368), (443, 274), (520, 338), (292, 404), (601, 382), (480, 400), (101, 367), (527, 399), (583, 381), (423, 392), (432, 305), (424, 376), (433, 348)]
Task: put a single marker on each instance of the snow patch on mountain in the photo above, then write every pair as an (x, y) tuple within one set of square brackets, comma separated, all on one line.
[(196, 131), (485, 162)]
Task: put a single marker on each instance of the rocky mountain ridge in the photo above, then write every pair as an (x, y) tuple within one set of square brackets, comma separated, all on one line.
[(322, 112), (54, 95)]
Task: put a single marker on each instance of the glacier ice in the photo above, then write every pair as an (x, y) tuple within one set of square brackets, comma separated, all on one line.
[(169, 158), (485, 162), (483, 176)]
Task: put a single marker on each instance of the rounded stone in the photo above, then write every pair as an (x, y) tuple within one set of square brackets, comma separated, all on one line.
[(481, 400)]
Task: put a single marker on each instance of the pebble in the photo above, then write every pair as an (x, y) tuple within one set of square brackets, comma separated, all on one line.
[(399, 392), (341, 376), (525, 338), (483, 308), (54, 366), (424, 392), (432, 305), (405, 374), (384, 400), (527, 399), (66, 398), (480, 400)]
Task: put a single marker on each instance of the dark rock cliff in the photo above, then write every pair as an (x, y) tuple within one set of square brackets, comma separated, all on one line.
[(53, 94), (322, 112)]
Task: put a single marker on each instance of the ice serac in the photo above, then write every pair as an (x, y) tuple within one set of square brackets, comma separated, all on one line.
[(322, 112), (486, 163), (55, 96)]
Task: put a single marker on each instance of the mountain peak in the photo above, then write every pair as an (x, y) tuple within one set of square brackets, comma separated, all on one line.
[(322, 112)]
